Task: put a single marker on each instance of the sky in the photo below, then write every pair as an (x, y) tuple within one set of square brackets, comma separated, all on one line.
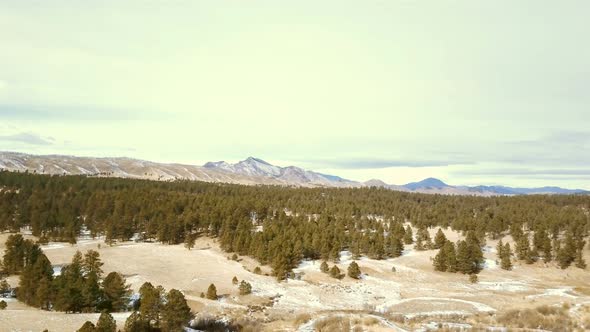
[(471, 92)]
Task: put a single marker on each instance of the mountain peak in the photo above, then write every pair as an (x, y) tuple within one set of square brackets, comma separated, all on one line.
[(256, 160), (426, 183)]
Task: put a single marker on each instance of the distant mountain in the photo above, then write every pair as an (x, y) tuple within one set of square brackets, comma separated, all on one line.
[(289, 175), (250, 171), (429, 183)]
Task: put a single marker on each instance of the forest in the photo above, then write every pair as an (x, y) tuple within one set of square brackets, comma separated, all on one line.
[(281, 226)]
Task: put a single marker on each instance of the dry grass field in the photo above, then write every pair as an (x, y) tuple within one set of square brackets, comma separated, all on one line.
[(414, 297)]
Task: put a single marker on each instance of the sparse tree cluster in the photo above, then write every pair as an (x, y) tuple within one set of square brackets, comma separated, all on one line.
[(465, 257), (78, 288)]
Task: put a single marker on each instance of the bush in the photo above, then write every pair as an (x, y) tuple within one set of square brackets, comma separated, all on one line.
[(257, 270), (3, 305), (245, 288), (354, 271), (473, 278), (335, 272)]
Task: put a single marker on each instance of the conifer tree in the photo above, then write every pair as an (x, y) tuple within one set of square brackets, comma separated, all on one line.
[(150, 303), (87, 327), (234, 280), (335, 272), (451, 256), (505, 261), (500, 250), (324, 267), (580, 262), (116, 292), (523, 249), (353, 270), (408, 235), (136, 323), (106, 323), (176, 312), (189, 240), (440, 239), (440, 260), (212, 292)]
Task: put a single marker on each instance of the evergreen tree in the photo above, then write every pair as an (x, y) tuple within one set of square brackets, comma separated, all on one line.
[(523, 249), (136, 323), (176, 312), (335, 272), (354, 271), (150, 303), (3, 305), (189, 240), (451, 257), (106, 323), (505, 261), (324, 267), (440, 260), (234, 280), (579, 260), (87, 327), (500, 250), (408, 236), (212, 292), (567, 254), (116, 293), (440, 239), (245, 288)]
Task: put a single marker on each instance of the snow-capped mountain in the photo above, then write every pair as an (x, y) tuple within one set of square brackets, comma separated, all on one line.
[(288, 175), (251, 171)]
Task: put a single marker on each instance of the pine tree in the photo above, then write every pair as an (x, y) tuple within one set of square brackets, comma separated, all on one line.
[(189, 240), (579, 260), (505, 261), (440, 239), (245, 288), (567, 254), (335, 272), (451, 257), (500, 250), (523, 249), (116, 292), (87, 327), (464, 262), (136, 323), (324, 267), (234, 280), (353, 270), (176, 312), (408, 236), (150, 303), (106, 323), (440, 260), (212, 292), (3, 305)]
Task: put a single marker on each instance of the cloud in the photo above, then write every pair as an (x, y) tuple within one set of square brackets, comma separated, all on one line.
[(68, 113), (360, 163), (27, 138)]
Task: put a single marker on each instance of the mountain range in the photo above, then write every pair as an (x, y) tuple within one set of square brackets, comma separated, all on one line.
[(251, 171)]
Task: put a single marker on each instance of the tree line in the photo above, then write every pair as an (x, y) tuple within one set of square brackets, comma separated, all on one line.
[(280, 226)]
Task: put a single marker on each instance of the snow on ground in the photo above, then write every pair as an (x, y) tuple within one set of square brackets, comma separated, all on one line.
[(310, 325), (560, 292), (437, 325), (490, 264), (504, 286)]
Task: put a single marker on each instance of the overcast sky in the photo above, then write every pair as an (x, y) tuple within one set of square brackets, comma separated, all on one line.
[(472, 92)]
